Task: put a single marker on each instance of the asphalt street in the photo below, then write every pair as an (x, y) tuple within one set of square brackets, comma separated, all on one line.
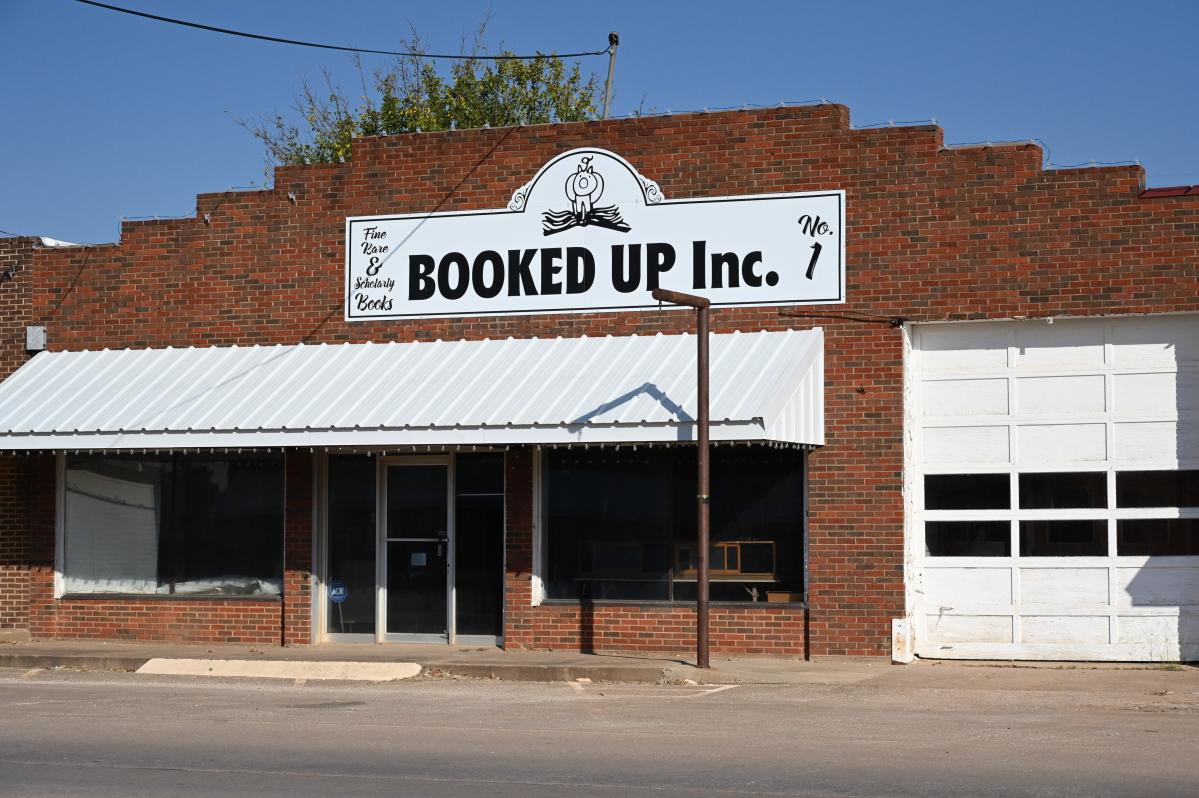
[(905, 734)]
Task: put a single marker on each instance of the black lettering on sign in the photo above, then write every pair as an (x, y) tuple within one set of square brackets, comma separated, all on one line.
[(659, 258), (373, 247), (752, 278), (812, 263), (813, 226), (365, 302), (624, 282), (520, 276), (478, 274), (699, 264), (420, 277), (724, 264), (453, 266), (580, 270), (550, 269)]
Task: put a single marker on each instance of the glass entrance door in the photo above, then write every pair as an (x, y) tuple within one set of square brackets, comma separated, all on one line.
[(416, 563), (415, 549)]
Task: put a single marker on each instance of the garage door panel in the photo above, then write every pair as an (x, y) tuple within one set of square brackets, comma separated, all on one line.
[(1075, 396), (1064, 629), (971, 348), (1162, 637), (1063, 586), (964, 588), (1154, 394), (966, 445), (1186, 393), (965, 398), (1151, 586), (1162, 340), (969, 628), (1068, 346), (1059, 444), (1155, 442)]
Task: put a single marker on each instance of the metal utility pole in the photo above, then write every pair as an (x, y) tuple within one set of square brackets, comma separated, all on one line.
[(613, 42), (701, 306)]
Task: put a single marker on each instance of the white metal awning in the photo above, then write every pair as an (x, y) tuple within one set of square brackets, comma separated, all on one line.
[(765, 386)]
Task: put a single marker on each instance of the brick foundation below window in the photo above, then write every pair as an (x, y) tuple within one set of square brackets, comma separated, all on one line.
[(667, 629)]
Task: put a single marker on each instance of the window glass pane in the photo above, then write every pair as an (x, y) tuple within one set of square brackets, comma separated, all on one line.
[(479, 543), (968, 538), (228, 527), (621, 525), (610, 519), (967, 492), (137, 524), (1157, 489), (756, 515), (351, 568), (416, 501), (1063, 538), (1151, 537), (479, 473), (114, 506), (1060, 491)]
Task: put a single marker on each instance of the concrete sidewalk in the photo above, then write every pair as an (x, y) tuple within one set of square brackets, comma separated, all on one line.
[(469, 661), (484, 662), (492, 663)]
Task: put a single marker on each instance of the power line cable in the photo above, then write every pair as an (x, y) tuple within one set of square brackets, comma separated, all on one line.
[(279, 40)]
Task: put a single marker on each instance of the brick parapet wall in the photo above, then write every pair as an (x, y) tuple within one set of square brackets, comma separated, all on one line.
[(932, 233), (16, 300)]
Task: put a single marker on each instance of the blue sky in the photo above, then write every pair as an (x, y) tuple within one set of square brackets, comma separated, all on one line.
[(109, 116)]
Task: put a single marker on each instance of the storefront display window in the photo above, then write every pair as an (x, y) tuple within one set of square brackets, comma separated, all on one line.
[(181, 525), (352, 543), (621, 524)]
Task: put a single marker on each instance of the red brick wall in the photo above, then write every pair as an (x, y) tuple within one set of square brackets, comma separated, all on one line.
[(932, 234), (520, 620), (156, 619), (15, 308), (15, 301), (297, 550), (14, 554)]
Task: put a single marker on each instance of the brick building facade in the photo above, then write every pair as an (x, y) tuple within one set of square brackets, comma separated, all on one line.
[(933, 234)]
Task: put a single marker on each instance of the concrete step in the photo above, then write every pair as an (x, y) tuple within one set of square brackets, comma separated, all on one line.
[(282, 669)]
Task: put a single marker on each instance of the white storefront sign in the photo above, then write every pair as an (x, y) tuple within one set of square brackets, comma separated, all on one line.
[(589, 233)]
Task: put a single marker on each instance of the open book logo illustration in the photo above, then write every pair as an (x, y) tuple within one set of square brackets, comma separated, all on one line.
[(583, 189)]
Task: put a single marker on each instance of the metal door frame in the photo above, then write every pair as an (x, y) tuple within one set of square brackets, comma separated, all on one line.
[(381, 541)]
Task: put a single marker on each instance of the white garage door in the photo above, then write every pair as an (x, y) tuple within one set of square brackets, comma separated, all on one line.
[(1054, 489)]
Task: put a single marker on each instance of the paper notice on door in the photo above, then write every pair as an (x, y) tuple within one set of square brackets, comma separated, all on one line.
[(419, 558)]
